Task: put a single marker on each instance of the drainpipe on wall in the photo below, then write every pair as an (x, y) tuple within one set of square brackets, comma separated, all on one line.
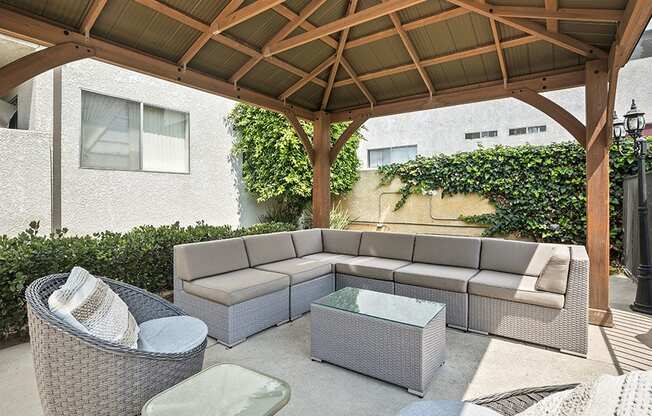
[(55, 221)]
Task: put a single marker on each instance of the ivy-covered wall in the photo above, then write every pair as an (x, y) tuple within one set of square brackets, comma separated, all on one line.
[(539, 191)]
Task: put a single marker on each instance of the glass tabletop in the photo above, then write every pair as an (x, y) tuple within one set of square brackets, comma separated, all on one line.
[(401, 309), (221, 390)]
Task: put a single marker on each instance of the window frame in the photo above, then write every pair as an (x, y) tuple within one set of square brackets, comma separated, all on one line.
[(390, 148), (141, 104)]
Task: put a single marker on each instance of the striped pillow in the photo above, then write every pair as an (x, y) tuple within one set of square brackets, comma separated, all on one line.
[(88, 304)]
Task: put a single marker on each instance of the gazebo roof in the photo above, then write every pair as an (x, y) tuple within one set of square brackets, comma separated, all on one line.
[(345, 57)]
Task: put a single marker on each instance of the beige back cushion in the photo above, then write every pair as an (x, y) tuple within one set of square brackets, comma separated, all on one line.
[(307, 242), (518, 257), (554, 277), (447, 250), (208, 258), (388, 245), (341, 241), (268, 248)]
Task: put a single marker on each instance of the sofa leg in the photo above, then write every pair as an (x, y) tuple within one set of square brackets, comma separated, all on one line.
[(229, 346), (574, 353), (461, 328), (316, 359), (477, 331), (416, 393), (282, 323)]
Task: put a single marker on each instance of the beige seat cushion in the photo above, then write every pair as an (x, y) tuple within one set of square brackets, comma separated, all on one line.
[(332, 258), (511, 256), (307, 242), (554, 277), (371, 267), (434, 276), (387, 245), (447, 250), (341, 241), (239, 286), (209, 258), (268, 248), (299, 270), (513, 287)]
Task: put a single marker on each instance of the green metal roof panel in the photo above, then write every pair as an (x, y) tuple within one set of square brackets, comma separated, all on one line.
[(378, 55), (348, 96), (268, 79), (396, 86), (218, 60), (425, 9), (259, 29), (308, 56), (206, 11), (308, 97), (67, 12)]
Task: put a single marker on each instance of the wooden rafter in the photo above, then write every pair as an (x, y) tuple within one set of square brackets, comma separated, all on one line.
[(338, 56), (298, 128), (357, 81), (45, 33), (222, 39), (636, 17), (553, 13), (289, 27), (546, 81), (354, 19), (199, 43), (499, 49), (91, 16), (303, 81), (535, 29), (345, 136), (552, 24), (242, 15), (411, 50), (455, 56)]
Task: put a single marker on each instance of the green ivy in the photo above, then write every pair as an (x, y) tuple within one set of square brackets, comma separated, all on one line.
[(274, 163), (538, 191), (141, 257)]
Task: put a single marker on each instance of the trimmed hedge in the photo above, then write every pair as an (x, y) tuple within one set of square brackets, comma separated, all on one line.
[(539, 191), (141, 257)]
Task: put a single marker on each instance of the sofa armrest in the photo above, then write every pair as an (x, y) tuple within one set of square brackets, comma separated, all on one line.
[(577, 294)]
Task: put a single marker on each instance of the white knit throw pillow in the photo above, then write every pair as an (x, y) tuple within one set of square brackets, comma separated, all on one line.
[(88, 304)]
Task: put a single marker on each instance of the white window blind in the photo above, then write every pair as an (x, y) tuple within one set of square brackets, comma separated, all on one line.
[(389, 155)]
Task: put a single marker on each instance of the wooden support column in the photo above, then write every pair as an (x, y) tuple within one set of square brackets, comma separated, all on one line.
[(321, 193), (597, 192)]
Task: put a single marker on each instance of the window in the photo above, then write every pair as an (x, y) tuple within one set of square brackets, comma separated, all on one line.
[(481, 134), (128, 135), (388, 155), (527, 130), (518, 131), (536, 129)]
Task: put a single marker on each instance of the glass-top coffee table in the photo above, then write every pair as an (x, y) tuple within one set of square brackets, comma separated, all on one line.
[(221, 390), (393, 338)]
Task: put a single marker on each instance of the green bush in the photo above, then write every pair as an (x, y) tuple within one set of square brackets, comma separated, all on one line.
[(538, 191), (275, 166), (141, 257)]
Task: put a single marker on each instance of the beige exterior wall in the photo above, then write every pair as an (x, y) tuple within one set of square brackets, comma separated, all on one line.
[(372, 207)]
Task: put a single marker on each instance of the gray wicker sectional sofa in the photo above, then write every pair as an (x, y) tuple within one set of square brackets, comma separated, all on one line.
[(532, 292)]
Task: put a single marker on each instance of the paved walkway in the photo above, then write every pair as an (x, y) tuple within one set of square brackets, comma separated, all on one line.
[(476, 365)]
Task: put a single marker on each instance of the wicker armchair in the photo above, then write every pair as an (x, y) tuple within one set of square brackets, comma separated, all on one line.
[(513, 402), (77, 374)]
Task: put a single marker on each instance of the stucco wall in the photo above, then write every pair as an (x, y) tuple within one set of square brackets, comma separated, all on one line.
[(24, 180), (372, 208), (442, 130)]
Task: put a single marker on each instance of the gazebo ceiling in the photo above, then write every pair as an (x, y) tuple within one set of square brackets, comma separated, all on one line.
[(343, 56)]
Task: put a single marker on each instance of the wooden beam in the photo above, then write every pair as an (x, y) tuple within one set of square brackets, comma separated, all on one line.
[(206, 36), (345, 136), (299, 130), (338, 56), (222, 39), (416, 24), (544, 81), (635, 19), (552, 24), (356, 80), (535, 29), (499, 51), (554, 111), (21, 70), (553, 13), (321, 192), (303, 81), (357, 18), (289, 27), (45, 33), (525, 40), (597, 192), (244, 14), (91, 16), (411, 50)]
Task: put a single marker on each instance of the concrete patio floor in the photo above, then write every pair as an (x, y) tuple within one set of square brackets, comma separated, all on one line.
[(476, 365)]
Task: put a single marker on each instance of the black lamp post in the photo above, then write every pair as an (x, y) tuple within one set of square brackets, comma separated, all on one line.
[(634, 125)]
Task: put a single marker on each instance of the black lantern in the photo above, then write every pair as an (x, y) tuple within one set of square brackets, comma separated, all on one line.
[(634, 121), (619, 132)]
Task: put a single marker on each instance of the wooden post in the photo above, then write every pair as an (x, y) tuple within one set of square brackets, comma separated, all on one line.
[(321, 193), (597, 192)]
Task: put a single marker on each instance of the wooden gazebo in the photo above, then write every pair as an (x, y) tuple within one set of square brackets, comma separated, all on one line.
[(329, 61)]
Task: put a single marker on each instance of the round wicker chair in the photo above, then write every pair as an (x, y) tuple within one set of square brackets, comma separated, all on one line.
[(514, 402), (77, 374)]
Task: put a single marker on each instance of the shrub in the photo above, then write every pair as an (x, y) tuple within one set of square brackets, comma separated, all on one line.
[(340, 218), (539, 191), (141, 257)]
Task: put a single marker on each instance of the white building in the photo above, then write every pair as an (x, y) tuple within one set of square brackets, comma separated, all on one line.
[(508, 121), (134, 150)]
